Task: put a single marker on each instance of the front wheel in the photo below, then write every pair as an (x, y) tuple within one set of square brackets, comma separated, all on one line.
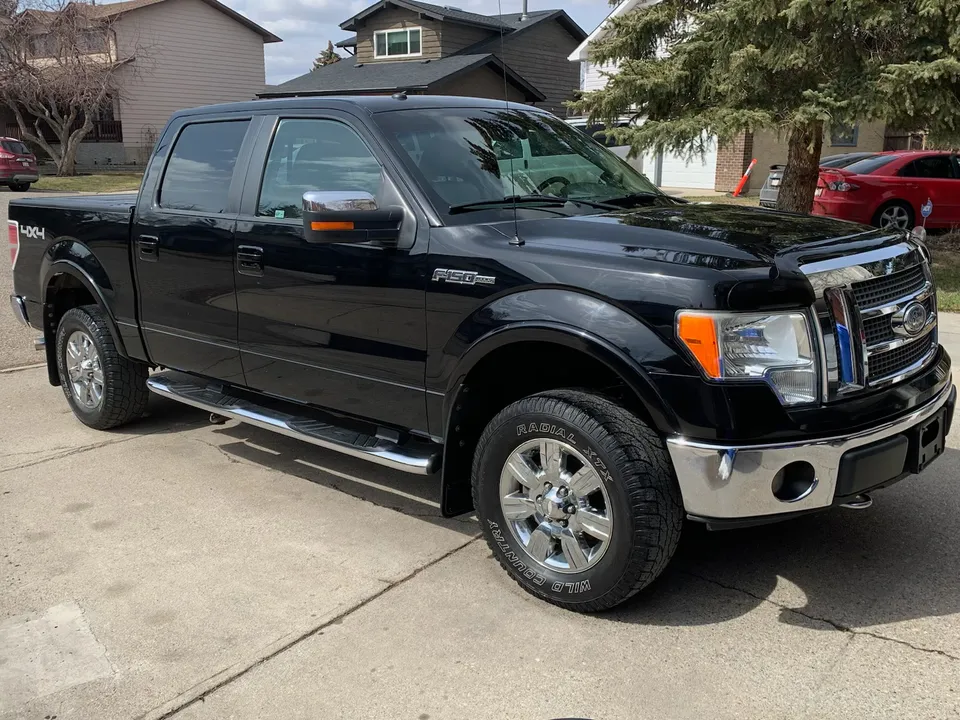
[(577, 499), (104, 389)]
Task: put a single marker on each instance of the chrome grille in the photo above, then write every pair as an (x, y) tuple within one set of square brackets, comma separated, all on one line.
[(866, 340), (882, 290), (892, 362)]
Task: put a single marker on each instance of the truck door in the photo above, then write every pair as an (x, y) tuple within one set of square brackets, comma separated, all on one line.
[(183, 246), (337, 325)]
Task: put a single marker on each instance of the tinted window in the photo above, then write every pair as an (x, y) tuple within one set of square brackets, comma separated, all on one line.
[(934, 166), (864, 167), (462, 156), (14, 146), (201, 166), (842, 161), (315, 155)]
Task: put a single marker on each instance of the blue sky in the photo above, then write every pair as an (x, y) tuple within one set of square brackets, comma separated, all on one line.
[(306, 25)]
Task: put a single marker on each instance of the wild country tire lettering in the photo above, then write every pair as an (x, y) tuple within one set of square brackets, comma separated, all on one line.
[(528, 572)]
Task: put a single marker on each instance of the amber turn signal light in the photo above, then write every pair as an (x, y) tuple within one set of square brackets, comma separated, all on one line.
[(699, 334), (322, 226)]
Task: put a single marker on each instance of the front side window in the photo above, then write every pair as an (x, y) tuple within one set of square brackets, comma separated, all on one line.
[(308, 155), (397, 43), (934, 166), (201, 165), (470, 155)]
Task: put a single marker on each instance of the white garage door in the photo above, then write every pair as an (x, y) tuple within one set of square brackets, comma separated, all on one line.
[(698, 172)]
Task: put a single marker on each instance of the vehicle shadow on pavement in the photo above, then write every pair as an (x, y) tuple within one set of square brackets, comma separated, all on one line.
[(414, 495), (837, 570)]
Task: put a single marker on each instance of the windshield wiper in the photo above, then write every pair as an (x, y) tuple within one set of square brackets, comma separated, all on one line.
[(633, 198), (509, 201)]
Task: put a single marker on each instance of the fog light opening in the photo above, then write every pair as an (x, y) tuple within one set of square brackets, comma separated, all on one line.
[(794, 482)]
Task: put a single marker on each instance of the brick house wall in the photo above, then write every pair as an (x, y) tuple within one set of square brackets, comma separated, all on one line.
[(733, 158)]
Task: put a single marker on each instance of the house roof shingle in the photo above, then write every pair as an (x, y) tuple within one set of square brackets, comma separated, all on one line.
[(437, 12), (349, 76), (117, 8)]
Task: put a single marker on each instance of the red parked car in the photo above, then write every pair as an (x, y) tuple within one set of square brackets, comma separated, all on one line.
[(18, 166), (887, 190)]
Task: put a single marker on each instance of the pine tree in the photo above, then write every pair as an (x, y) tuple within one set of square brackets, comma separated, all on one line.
[(327, 57), (694, 68)]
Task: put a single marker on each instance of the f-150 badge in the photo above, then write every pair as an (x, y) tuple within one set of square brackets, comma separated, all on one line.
[(462, 277)]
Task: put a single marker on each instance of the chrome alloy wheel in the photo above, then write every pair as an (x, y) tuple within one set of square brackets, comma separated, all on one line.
[(555, 505), (85, 370), (895, 216)]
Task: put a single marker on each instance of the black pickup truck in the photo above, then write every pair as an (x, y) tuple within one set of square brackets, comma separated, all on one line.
[(475, 289)]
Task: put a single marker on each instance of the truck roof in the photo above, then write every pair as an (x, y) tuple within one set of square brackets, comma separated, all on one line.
[(370, 103)]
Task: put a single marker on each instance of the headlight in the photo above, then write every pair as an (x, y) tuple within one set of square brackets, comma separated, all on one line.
[(775, 347)]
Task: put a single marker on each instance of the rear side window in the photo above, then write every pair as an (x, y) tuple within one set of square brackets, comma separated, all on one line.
[(871, 164), (14, 146), (201, 166), (934, 166)]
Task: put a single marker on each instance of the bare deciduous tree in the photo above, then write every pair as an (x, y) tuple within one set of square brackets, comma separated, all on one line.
[(59, 66)]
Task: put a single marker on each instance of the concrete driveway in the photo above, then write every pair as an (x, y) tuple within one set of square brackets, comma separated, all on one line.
[(176, 569)]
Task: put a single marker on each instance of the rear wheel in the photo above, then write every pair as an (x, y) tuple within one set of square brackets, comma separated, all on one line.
[(104, 389), (895, 215), (20, 186), (577, 498)]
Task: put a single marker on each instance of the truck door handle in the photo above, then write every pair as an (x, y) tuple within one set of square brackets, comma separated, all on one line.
[(148, 247), (250, 260)]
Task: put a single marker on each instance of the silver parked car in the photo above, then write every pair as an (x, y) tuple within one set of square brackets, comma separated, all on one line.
[(771, 188)]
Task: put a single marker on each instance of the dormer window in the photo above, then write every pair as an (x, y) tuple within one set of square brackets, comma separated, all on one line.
[(397, 43)]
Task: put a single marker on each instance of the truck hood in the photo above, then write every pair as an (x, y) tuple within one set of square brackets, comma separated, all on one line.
[(725, 237)]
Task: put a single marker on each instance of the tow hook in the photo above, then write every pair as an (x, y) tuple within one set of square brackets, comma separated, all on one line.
[(860, 502)]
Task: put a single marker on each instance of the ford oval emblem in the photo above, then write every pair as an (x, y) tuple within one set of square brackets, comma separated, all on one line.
[(914, 318)]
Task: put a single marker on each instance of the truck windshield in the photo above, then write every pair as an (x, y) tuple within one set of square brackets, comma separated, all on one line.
[(471, 158)]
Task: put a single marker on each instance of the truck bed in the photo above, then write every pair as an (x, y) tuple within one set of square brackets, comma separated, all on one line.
[(92, 233)]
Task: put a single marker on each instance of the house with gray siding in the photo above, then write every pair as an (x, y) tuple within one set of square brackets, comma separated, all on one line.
[(428, 49), (184, 53)]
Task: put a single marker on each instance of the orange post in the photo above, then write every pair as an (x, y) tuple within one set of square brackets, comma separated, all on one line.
[(743, 180)]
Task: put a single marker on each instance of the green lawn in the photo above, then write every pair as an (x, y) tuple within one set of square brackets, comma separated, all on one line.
[(107, 182), (946, 269)]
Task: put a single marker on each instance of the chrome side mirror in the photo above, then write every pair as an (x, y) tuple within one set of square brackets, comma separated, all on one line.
[(338, 201), (350, 216), (919, 233)]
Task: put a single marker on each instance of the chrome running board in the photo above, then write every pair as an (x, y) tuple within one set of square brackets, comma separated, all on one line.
[(419, 457)]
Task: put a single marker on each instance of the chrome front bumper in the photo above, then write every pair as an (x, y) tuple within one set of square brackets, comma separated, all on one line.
[(723, 482), (19, 307)]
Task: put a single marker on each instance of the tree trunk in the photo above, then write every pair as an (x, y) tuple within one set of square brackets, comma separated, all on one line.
[(70, 144), (803, 168)]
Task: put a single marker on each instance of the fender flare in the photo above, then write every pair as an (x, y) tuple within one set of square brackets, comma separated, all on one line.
[(625, 367), (54, 264)]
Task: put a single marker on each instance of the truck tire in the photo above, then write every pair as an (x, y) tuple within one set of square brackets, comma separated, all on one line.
[(594, 522), (104, 388)]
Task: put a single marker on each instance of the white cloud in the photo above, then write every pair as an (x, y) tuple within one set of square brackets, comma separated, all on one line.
[(307, 25)]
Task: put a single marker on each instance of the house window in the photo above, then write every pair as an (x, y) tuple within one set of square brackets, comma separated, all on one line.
[(397, 43), (844, 135)]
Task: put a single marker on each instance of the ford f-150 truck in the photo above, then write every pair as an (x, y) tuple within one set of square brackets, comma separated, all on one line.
[(475, 289)]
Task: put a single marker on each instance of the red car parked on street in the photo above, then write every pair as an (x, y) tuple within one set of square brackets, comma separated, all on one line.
[(888, 189), (18, 166)]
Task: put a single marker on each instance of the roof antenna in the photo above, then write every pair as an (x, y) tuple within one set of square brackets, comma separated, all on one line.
[(506, 101)]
